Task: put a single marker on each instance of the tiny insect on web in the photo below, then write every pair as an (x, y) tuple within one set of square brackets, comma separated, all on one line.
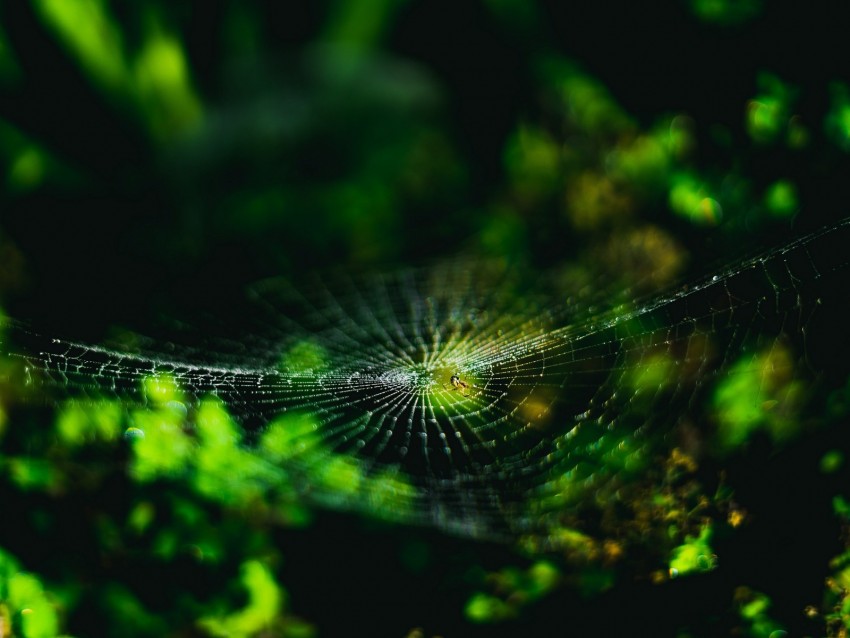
[(458, 385)]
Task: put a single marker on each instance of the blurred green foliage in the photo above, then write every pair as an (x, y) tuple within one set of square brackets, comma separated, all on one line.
[(694, 556), (190, 149), (516, 588), (25, 607), (768, 114), (760, 393), (726, 12), (153, 81), (753, 607), (837, 123)]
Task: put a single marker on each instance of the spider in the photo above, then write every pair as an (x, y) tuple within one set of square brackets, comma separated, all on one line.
[(458, 385)]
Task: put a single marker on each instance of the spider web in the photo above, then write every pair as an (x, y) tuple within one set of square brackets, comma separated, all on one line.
[(454, 397)]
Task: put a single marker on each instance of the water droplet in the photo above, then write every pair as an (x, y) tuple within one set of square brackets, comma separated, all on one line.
[(134, 434)]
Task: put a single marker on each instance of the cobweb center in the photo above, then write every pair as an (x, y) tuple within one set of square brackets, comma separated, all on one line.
[(430, 377)]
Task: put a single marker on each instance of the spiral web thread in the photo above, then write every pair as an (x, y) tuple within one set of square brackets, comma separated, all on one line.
[(447, 397)]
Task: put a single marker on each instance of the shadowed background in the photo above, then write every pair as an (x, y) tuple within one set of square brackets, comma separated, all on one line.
[(160, 157)]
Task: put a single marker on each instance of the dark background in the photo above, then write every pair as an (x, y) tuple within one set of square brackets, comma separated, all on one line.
[(132, 231), (127, 229)]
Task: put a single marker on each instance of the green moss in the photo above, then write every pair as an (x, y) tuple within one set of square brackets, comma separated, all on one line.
[(304, 358), (164, 449), (502, 233), (837, 120), (340, 475), (543, 577), (758, 393), (575, 543), (726, 13), (676, 135), (651, 374), (25, 600), (28, 169), (161, 389), (644, 163), (162, 85), (141, 516), (33, 473), (78, 423), (532, 159), (482, 608), (224, 470), (390, 496), (360, 24), (694, 555), (769, 113), (690, 198), (10, 70), (91, 34), (585, 100), (841, 507), (289, 436), (128, 616), (780, 198), (832, 461), (753, 609), (265, 603), (517, 588), (154, 83), (29, 164)]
